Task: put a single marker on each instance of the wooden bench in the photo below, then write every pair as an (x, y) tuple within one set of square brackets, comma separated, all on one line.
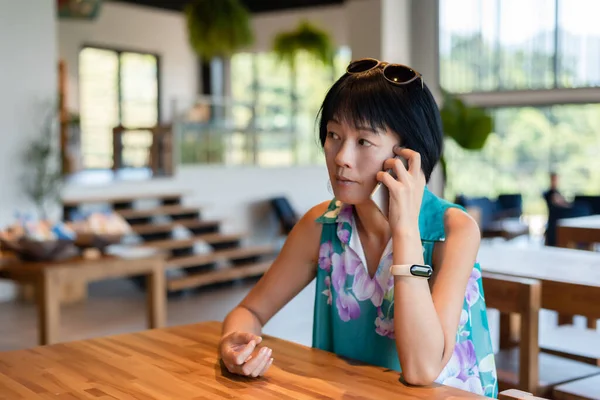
[(219, 275), (165, 198), (215, 240), (239, 255), (163, 231), (120, 202), (524, 367), (515, 394), (572, 342), (138, 216), (228, 260), (220, 266), (582, 389)]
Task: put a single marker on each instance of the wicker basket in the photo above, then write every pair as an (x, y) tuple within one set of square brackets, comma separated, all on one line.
[(35, 250), (96, 241)]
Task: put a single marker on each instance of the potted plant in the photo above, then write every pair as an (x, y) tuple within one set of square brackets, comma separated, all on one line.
[(468, 126), (43, 178), (305, 38)]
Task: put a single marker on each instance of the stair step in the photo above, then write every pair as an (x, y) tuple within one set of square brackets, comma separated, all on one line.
[(122, 199), (151, 212), (220, 255), (219, 275), (192, 223), (211, 238)]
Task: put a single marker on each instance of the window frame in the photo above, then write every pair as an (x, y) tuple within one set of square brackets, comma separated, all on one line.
[(119, 51), (500, 90)]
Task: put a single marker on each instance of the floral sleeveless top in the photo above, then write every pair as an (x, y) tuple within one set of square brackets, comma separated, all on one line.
[(354, 314)]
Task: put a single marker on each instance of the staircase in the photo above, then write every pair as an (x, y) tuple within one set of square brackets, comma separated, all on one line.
[(227, 259)]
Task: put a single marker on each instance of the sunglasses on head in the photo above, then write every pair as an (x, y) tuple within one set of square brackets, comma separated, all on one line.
[(398, 74)]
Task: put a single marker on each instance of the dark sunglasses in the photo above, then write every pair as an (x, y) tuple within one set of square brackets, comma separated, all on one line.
[(398, 74)]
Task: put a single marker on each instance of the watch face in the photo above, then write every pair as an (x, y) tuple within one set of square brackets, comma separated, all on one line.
[(421, 270)]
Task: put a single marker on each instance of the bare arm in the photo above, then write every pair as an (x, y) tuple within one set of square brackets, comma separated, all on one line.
[(292, 271), (559, 200), (427, 314)]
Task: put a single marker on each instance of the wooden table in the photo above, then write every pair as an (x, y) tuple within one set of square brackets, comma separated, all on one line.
[(181, 363), (570, 278), (49, 277), (585, 230)]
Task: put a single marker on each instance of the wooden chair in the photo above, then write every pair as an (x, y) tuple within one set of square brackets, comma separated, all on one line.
[(568, 341), (523, 297), (524, 367), (582, 389), (160, 156), (515, 394), (161, 153)]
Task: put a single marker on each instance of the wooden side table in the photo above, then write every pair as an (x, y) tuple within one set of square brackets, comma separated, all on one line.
[(49, 277)]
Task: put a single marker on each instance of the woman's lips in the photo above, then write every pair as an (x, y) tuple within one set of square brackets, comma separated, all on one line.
[(344, 181)]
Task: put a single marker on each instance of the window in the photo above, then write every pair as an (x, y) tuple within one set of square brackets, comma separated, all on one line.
[(116, 87), (283, 136), (528, 143), (488, 45)]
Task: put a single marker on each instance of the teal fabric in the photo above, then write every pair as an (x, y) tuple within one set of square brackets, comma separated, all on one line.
[(354, 313)]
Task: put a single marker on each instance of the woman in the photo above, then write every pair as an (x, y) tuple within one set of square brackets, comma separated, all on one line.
[(430, 328)]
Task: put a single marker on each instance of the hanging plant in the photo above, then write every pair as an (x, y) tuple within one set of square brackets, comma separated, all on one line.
[(218, 28), (78, 9), (306, 37), (468, 126)]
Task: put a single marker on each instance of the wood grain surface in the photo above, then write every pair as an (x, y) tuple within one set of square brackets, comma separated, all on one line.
[(181, 363), (49, 277), (580, 230), (570, 278)]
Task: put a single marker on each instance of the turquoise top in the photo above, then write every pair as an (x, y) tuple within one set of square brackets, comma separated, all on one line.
[(354, 313)]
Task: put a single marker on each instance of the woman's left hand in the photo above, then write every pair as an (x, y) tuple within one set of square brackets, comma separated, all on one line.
[(406, 191)]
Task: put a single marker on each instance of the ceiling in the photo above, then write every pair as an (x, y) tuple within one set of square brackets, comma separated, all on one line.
[(255, 6)]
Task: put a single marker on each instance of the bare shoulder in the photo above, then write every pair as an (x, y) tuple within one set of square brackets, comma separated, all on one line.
[(306, 234), (457, 222), (316, 211), (462, 237), (308, 223)]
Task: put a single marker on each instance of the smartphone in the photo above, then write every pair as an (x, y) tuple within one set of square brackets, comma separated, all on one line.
[(381, 195)]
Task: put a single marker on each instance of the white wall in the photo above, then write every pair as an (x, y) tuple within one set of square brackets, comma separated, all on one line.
[(395, 31), (364, 27), (27, 84), (130, 27)]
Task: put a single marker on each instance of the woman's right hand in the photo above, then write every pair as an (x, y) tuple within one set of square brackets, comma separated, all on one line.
[(237, 350)]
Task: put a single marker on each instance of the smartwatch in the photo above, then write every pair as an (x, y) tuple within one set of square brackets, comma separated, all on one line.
[(416, 270)]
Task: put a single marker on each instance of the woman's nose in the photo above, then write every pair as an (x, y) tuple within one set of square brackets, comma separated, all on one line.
[(343, 158)]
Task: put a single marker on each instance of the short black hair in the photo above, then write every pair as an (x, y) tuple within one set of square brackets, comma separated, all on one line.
[(409, 110)]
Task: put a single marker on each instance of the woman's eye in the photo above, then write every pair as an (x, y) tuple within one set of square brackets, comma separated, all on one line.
[(364, 142), (333, 135)]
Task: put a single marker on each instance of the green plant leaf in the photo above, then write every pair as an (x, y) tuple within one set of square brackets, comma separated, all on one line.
[(308, 38), (218, 28), (469, 126)]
